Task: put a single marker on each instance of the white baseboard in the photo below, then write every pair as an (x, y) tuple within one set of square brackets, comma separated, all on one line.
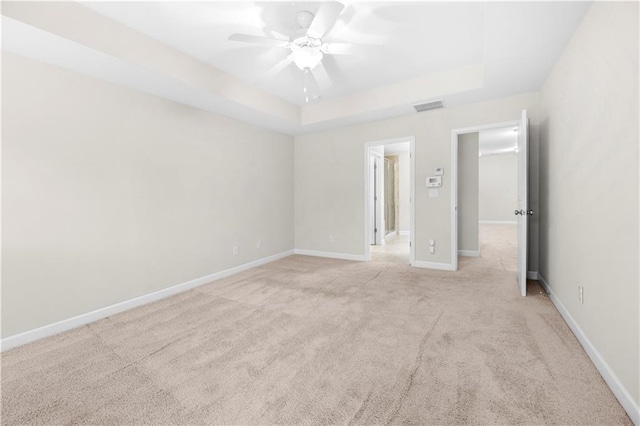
[(532, 275), (89, 317), (404, 232), (624, 397), (433, 265), (331, 255), (469, 253), (391, 234), (498, 222)]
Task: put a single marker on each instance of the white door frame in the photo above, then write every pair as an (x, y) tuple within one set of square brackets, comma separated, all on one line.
[(412, 197), (454, 179)]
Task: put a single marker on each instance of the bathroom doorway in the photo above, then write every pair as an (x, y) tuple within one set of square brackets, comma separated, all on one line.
[(389, 200)]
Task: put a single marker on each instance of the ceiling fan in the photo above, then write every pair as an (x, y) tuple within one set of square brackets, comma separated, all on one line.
[(308, 48)]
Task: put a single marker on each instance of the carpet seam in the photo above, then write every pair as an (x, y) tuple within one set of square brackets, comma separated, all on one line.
[(418, 362)]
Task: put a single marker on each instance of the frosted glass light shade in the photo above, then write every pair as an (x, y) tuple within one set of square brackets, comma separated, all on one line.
[(306, 57)]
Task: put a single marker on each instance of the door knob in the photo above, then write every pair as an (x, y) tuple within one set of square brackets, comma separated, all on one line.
[(519, 212), (530, 212)]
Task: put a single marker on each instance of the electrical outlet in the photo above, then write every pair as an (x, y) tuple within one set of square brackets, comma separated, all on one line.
[(581, 294), (235, 250), (259, 244), (331, 238)]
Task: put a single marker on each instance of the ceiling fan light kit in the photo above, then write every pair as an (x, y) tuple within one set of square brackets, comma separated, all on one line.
[(306, 53)]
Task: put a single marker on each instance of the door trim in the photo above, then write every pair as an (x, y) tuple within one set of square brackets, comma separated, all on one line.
[(412, 194), (454, 179)]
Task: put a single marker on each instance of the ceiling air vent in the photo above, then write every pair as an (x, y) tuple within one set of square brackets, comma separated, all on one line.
[(429, 106)]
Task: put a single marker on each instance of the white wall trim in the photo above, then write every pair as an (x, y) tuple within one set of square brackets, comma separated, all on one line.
[(404, 232), (454, 200), (89, 317), (331, 255), (498, 222), (469, 253), (391, 234), (621, 393), (472, 129), (434, 265), (532, 275)]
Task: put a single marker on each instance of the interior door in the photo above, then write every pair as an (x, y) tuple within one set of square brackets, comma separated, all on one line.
[(389, 197), (523, 211), (372, 198), (376, 194)]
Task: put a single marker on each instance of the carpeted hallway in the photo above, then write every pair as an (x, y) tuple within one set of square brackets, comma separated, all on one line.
[(395, 250), (315, 341)]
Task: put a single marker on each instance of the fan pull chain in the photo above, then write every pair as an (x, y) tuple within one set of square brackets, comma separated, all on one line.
[(306, 85)]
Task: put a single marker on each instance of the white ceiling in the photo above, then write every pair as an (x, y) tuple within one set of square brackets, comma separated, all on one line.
[(468, 51), (415, 39)]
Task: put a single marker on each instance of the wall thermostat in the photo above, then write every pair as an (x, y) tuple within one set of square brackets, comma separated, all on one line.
[(438, 171), (434, 181)]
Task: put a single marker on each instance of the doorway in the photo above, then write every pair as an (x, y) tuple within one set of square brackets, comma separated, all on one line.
[(389, 194), (487, 190), (509, 193), (487, 196)]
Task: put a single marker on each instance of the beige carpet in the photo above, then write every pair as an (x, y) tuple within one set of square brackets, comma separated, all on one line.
[(316, 341)]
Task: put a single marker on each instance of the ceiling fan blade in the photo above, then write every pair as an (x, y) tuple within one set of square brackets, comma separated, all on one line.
[(349, 48), (266, 41), (321, 76), (337, 48), (276, 68), (324, 19)]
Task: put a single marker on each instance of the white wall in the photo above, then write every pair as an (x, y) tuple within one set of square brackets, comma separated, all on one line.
[(109, 194), (589, 185), (329, 176), (404, 176), (468, 228), (498, 187)]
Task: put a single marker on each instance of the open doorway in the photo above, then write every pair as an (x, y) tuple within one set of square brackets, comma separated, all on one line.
[(389, 197), (498, 195), (489, 196)]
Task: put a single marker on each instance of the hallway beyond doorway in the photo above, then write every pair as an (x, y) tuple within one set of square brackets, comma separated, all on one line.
[(395, 250)]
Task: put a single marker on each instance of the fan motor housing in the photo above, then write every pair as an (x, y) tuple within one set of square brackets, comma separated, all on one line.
[(307, 41), (304, 18)]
